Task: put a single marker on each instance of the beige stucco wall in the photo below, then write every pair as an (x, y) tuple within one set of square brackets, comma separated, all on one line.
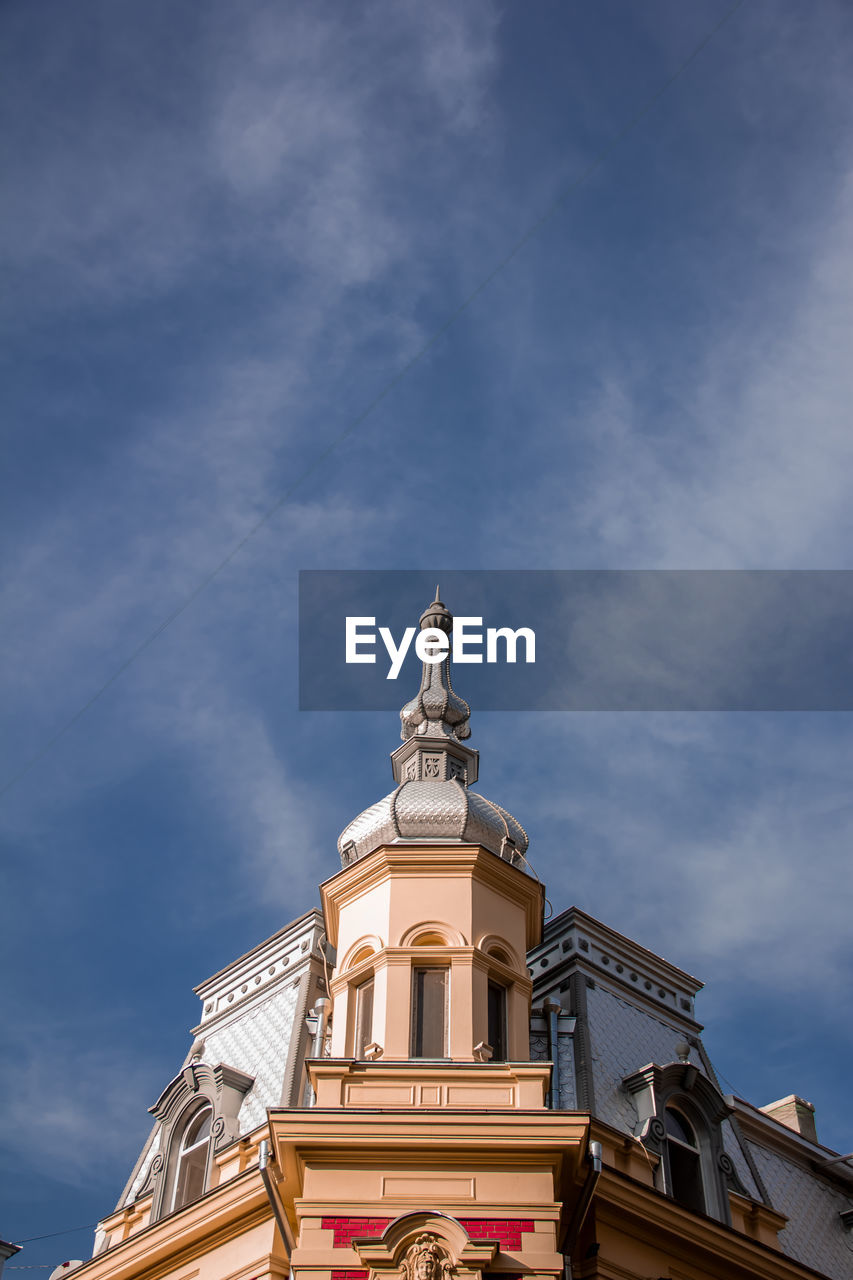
[(465, 904)]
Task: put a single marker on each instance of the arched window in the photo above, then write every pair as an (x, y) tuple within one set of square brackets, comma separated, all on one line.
[(497, 1021), (429, 1013), (681, 1113), (363, 1017), (191, 1160), (684, 1155)]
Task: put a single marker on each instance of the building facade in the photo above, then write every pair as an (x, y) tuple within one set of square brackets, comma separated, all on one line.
[(425, 1082)]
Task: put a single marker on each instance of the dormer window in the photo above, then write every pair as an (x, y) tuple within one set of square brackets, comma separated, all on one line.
[(680, 1112), (198, 1113), (685, 1161), (191, 1163)]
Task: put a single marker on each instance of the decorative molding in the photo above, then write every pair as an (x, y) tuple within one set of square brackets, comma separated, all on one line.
[(369, 940), (222, 1085), (573, 939), (490, 940), (197, 1084), (450, 937), (687, 1088), (151, 1176), (427, 1259), (255, 975), (730, 1173), (427, 1245)]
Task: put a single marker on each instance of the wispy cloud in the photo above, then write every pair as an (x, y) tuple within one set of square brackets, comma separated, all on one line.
[(717, 839), (754, 472), (68, 1111)]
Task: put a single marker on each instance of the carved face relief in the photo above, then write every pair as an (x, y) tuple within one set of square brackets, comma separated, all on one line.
[(426, 1259)]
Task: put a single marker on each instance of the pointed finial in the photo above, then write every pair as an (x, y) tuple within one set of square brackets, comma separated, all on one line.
[(437, 709)]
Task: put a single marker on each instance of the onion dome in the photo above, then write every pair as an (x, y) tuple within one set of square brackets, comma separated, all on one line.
[(433, 770)]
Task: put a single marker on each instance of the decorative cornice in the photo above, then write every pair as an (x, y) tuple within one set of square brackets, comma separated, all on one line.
[(663, 1083), (690, 1239), (575, 940), (220, 1215), (223, 1085), (253, 976), (417, 858)]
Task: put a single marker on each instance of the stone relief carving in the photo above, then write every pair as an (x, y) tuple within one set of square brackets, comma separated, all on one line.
[(426, 1259)]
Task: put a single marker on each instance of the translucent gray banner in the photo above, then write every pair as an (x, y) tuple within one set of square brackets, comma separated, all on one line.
[(604, 640)]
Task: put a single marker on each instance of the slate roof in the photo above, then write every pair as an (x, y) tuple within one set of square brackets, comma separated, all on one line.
[(634, 1008)]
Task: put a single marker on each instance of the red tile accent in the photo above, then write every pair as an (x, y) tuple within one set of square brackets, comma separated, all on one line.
[(351, 1274), (347, 1229), (506, 1231)]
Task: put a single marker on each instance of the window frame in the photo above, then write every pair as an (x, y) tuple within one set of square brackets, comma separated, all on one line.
[(178, 1154), (417, 1029), (679, 1173), (500, 1051), (693, 1096), (197, 1085), (363, 1034)]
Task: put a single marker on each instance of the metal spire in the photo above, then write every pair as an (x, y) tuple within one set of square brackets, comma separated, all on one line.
[(437, 710)]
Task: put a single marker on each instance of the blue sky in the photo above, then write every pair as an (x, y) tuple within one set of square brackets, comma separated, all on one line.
[(225, 230)]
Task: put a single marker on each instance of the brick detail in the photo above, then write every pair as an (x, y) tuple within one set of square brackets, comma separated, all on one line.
[(351, 1274), (507, 1231), (348, 1229)]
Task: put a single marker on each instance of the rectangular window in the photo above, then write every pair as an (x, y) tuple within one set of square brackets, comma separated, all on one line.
[(363, 1018), (497, 1021), (429, 1013)]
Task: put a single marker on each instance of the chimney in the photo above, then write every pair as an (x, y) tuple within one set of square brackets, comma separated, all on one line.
[(794, 1112)]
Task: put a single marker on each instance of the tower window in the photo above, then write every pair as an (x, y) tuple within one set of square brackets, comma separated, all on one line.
[(429, 1013), (363, 1017), (191, 1165), (497, 1021), (685, 1163)]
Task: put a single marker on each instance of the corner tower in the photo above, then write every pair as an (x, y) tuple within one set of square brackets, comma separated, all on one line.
[(429, 1151), (433, 912), (435, 909)]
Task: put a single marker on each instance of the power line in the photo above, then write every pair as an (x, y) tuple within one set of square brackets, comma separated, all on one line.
[(516, 248), (52, 1234)]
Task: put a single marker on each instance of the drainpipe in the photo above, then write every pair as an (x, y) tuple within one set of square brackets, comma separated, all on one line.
[(593, 1158), (316, 1023), (320, 1018), (552, 1011), (265, 1159)]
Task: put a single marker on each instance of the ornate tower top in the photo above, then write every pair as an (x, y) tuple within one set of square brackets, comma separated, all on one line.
[(433, 769), (437, 711)]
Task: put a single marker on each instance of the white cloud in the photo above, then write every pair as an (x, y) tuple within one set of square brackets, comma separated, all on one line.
[(67, 1109), (752, 466), (272, 143), (723, 841)]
